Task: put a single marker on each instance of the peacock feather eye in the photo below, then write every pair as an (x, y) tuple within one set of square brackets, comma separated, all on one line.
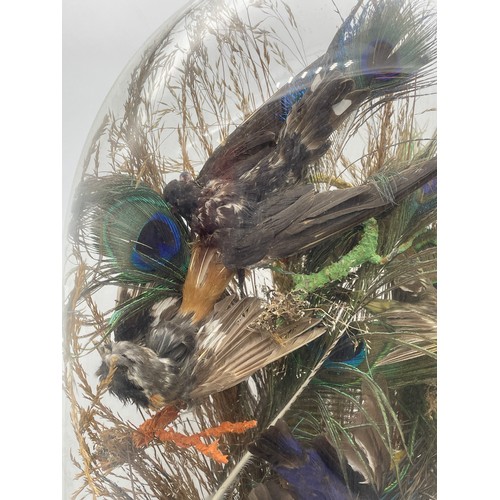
[(133, 231), (141, 231), (295, 255), (159, 240)]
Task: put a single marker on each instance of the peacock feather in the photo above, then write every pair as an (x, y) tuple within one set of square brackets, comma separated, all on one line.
[(137, 239), (133, 230)]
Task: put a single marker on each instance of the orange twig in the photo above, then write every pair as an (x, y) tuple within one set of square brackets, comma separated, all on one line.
[(225, 427), (210, 450), (155, 428), (148, 429)]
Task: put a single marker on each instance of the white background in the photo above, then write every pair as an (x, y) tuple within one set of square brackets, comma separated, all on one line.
[(99, 39)]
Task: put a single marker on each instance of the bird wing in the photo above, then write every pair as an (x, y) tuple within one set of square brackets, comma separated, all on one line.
[(231, 341), (377, 51), (299, 218)]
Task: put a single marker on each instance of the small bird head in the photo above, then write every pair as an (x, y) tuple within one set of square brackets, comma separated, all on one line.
[(186, 176), (183, 195), (138, 375)]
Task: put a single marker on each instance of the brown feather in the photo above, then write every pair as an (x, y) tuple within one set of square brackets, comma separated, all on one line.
[(299, 218), (206, 280), (367, 432), (238, 349)]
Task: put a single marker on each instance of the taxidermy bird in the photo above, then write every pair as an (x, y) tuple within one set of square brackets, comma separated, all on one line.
[(305, 471), (319, 469), (165, 361), (250, 204)]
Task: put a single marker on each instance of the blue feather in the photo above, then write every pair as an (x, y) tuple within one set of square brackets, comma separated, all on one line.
[(287, 102), (136, 233), (159, 240)]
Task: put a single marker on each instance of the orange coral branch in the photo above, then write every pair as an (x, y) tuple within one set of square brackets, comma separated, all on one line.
[(155, 428), (225, 427), (210, 450), (146, 432)]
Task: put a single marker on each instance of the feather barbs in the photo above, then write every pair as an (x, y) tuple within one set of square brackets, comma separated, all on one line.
[(206, 280), (138, 237)]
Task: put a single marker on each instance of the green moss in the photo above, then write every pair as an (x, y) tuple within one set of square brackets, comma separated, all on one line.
[(364, 251)]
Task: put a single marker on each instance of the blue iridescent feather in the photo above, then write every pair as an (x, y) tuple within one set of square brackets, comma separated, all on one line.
[(159, 240), (139, 238)]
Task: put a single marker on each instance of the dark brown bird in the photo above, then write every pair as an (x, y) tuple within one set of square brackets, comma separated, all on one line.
[(251, 202)]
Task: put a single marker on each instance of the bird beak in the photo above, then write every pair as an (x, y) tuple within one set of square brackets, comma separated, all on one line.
[(112, 361)]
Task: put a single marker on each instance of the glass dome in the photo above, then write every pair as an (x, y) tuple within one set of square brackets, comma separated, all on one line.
[(306, 133)]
